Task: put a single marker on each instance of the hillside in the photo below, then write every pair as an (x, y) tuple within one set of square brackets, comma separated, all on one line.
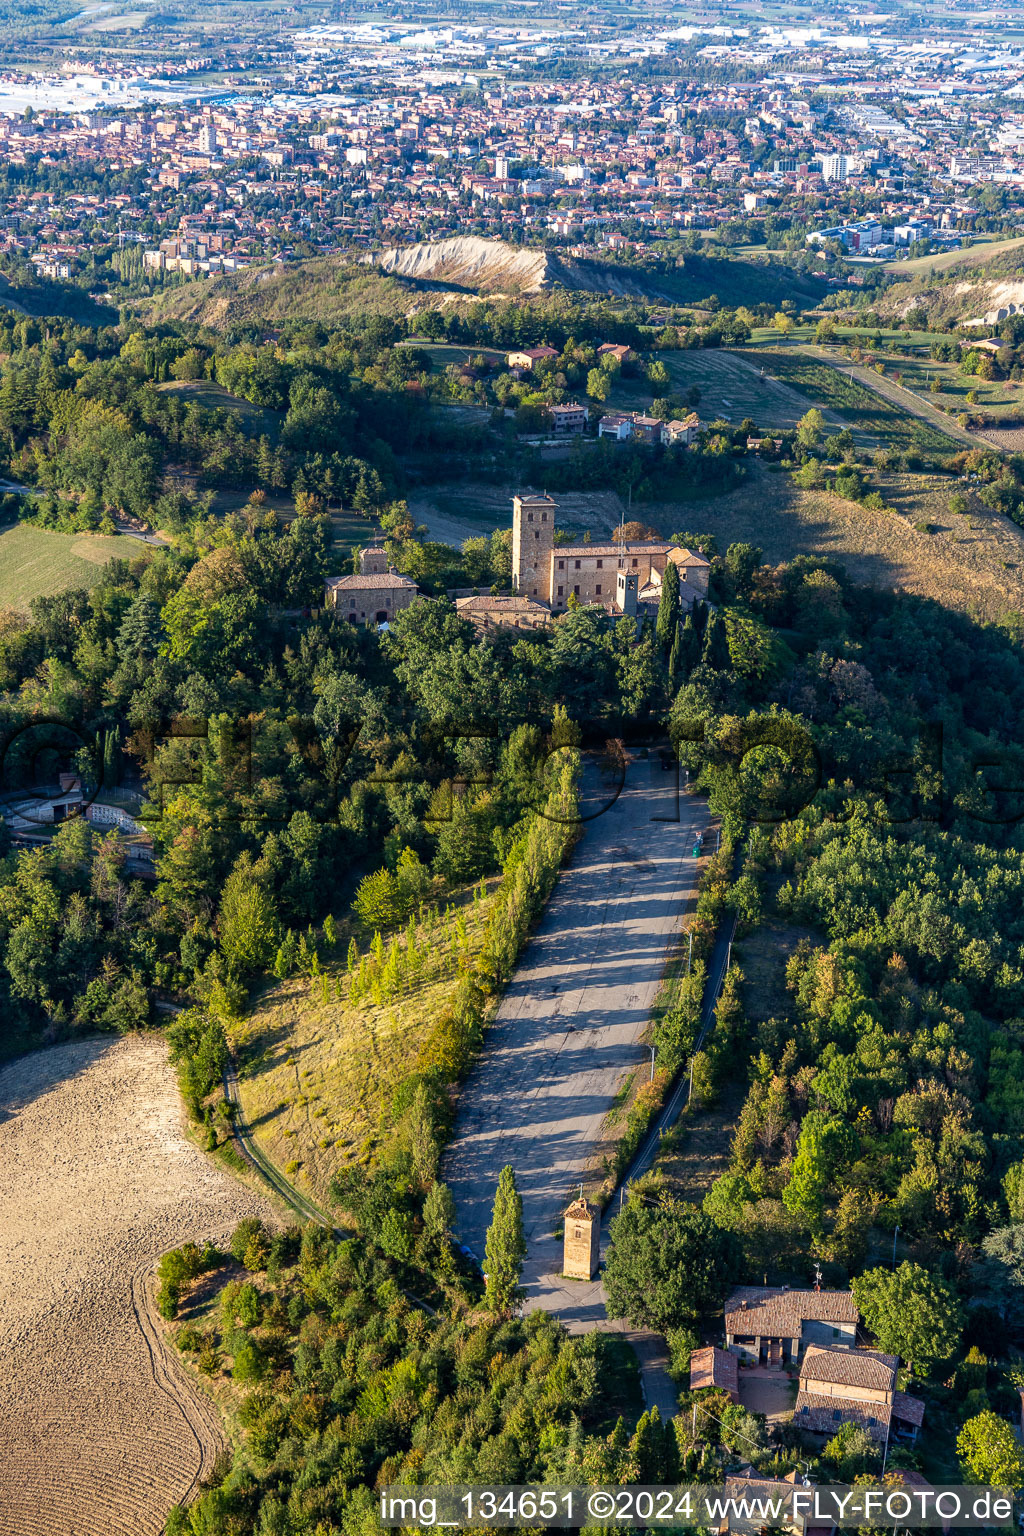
[(975, 284), (408, 279)]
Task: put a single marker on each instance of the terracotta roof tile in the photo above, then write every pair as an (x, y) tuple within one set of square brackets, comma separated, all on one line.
[(849, 1368)]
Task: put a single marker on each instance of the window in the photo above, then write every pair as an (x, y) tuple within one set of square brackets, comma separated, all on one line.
[(529, 517), (560, 590), (600, 565), (543, 517), (836, 1414), (536, 535), (597, 589), (561, 565), (576, 564), (634, 562), (577, 591)]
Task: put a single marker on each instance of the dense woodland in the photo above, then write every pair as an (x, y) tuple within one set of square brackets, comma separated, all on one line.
[(306, 780)]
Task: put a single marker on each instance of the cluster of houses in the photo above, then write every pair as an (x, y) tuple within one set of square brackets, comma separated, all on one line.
[(548, 577), (620, 426), (624, 426), (815, 1332)]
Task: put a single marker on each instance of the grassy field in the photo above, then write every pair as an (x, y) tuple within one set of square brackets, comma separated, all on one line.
[(973, 561), (443, 354), (867, 414), (36, 563), (212, 397), (978, 255), (319, 1069), (731, 388), (1002, 399)]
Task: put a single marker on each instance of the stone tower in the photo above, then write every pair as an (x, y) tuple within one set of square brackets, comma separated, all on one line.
[(533, 538), (581, 1252)]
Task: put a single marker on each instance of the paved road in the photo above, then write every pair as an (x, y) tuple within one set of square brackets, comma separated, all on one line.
[(569, 1028)]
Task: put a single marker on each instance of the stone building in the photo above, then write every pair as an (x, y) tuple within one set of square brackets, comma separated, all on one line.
[(373, 596), (594, 573), (581, 1243)]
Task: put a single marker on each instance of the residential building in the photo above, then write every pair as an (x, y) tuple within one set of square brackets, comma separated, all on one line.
[(714, 1367), (772, 1325), (854, 1386), (526, 359), (571, 417)]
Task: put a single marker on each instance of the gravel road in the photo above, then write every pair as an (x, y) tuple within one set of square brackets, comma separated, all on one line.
[(569, 1028)]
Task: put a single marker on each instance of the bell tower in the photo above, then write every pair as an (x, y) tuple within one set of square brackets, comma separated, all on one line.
[(533, 539)]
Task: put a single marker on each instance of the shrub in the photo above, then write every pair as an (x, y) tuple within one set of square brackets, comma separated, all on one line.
[(168, 1297)]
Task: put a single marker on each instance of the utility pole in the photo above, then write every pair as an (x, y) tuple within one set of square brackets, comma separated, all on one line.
[(651, 1049)]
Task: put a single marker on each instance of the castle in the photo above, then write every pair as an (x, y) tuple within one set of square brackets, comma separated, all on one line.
[(621, 578)]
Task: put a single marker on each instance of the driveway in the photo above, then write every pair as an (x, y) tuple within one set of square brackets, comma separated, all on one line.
[(568, 1030), (771, 1393)]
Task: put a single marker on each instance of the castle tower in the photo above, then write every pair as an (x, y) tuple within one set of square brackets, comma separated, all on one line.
[(533, 538), (581, 1250)]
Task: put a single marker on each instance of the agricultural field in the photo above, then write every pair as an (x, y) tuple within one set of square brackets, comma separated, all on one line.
[(971, 561), (871, 418), (101, 1430), (444, 355), (319, 1066), (731, 388), (36, 563), (454, 513), (1001, 399)]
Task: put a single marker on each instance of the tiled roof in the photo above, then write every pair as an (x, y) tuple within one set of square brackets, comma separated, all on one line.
[(849, 1368), (386, 579), (714, 1367), (484, 603), (824, 1415), (909, 1409), (649, 547), (771, 1312)]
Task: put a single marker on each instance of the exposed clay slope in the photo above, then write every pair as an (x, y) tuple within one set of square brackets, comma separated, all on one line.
[(492, 266)]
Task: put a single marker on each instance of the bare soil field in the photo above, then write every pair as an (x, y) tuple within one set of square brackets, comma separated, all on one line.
[(101, 1431)]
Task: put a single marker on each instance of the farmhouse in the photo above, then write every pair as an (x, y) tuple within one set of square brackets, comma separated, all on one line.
[(854, 1386), (373, 596), (772, 1325), (713, 1367), (526, 359)]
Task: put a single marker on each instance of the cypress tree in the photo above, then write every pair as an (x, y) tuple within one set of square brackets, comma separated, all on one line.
[(506, 1246), (675, 656), (716, 645), (668, 606), (689, 646)]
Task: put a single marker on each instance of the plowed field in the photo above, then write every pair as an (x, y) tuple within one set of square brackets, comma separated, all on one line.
[(100, 1429)]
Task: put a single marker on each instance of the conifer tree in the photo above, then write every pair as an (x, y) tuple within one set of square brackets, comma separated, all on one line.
[(506, 1246), (668, 606)]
